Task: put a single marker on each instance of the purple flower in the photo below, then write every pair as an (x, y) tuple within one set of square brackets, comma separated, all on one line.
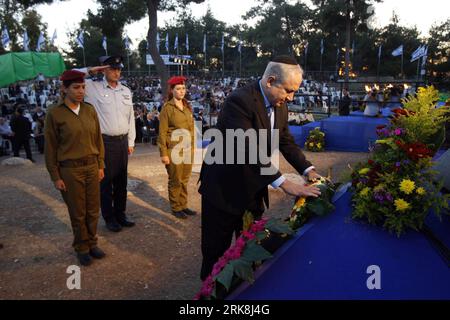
[(379, 197), (398, 131), (397, 164), (389, 197)]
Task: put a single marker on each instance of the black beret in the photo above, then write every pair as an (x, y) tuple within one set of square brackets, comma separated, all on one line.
[(113, 61)]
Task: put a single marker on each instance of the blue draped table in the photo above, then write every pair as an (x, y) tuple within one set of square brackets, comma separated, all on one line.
[(328, 259)]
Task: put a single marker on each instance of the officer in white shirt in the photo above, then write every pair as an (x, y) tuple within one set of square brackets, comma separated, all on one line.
[(114, 105)]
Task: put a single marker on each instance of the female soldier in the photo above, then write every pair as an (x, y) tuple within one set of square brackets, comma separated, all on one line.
[(177, 114), (74, 156)]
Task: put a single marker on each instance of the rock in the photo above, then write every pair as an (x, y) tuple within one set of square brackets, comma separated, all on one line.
[(16, 161)]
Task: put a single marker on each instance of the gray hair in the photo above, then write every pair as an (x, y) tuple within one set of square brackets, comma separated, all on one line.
[(281, 71)]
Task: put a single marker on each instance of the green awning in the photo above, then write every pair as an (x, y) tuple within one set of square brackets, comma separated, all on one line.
[(18, 66)]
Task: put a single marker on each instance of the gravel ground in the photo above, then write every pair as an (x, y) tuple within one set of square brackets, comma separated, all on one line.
[(159, 258)]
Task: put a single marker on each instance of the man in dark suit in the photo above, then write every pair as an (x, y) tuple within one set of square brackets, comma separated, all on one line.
[(21, 127), (229, 189)]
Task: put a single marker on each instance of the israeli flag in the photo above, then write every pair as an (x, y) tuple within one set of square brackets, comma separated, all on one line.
[(306, 48), (418, 53), (26, 41), (5, 37), (167, 42), (40, 42), (204, 43), (223, 44), (187, 42), (158, 41), (398, 51), (175, 45), (379, 51), (80, 39), (104, 44), (52, 41), (240, 46), (321, 46), (127, 43)]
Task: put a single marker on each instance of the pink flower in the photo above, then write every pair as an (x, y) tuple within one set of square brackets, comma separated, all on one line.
[(398, 132), (248, 235)]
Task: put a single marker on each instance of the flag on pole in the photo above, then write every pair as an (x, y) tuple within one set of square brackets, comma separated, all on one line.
[(379, 51), (321, 46), (175, 45), (40, 42), (26, 41), (52, 41), (204, 43), (5, 37), (127, 43), (418, 53), (187, 42), (398, 51), (104, 44), (167, 42), (425, 54), (306, 48), (158, 41), (222, 46), (80, 39), (240, 46)]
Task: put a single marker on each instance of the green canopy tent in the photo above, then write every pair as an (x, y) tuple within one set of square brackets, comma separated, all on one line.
[(18, 66)]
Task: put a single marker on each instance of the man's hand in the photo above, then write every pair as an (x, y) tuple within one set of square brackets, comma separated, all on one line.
[(101, 174), (165, 160), (312, 174), (299, 190), (59, 184), (130, 150), (97, 69)]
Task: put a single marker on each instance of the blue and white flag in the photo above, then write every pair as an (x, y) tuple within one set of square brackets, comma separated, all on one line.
[(40, 42), (418, 53), (398, 51), (175, 45), (52, 41), (80, 39), (26, 41), (321, 46), (204, 43), (127, 43), (5, 37), (222, 46), (240, 46), (104, 43), (424, 57), (167, 42), (379, 51), (187, 42), (306, 48), (158, 41)]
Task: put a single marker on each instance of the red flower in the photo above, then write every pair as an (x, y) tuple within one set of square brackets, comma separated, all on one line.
[(400, 112), (370, 162), (417, 150)]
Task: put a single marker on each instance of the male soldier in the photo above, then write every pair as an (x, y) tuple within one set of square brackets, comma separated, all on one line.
[(114, 105)]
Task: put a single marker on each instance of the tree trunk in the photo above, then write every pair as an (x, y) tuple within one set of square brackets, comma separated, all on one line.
[(152, 7)]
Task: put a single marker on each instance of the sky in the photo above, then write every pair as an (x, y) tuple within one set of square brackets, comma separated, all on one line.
[(66, 15)]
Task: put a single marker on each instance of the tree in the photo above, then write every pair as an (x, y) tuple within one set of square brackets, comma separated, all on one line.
[(439, 52)]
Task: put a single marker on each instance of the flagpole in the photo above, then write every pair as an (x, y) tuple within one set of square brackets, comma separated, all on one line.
[(378, 66), (403, 76), (84, 58), (223, 63), (418, 67)]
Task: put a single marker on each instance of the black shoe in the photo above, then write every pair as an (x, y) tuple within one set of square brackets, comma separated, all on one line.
[(113, 226), (97, 253), (84, 258), (179, 214), (189, 212), (126, 223)]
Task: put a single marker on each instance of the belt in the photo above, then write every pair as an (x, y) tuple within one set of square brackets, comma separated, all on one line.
[(75, 163), (119, 137)]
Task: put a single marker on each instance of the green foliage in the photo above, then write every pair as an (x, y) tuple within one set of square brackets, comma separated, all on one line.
[(315, 141)]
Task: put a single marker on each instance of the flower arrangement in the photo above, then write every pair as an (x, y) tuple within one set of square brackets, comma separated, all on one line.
[(239, 260), (315, 141), (304, 208), (396, 186)]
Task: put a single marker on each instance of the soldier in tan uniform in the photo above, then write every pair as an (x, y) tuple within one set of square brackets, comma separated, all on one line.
[(177, 114), (74, 156)]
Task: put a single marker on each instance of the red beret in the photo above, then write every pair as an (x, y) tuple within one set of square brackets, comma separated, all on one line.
[(176, 80), (73, 76)]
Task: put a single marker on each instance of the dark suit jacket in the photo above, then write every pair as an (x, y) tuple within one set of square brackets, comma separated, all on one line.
[(238, 187), (21, 127)]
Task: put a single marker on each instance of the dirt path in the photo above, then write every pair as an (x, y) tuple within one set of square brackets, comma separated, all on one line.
[(159, 258)]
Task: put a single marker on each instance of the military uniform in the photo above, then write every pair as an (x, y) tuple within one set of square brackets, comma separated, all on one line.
[(114, 107), (170, 119), (74, 153)]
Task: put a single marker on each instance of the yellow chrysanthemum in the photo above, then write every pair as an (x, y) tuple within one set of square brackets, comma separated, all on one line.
[(401, 205), (381, 141), (300, 202), (364, 171), (319, 145), (407, 186), (364, 192), (420, 191), (311, 144)]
